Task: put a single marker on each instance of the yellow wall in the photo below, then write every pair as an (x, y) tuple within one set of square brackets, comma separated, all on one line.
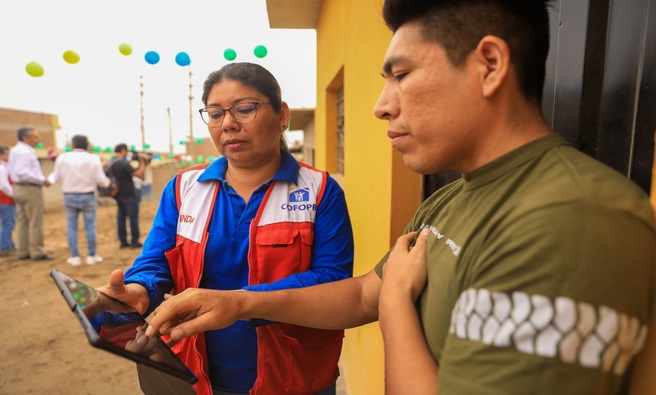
[(382, 194)]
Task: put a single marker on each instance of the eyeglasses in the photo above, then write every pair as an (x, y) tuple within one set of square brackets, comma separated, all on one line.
[(242, 112)]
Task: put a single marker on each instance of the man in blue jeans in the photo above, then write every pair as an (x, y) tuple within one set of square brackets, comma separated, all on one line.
[(127, 200), (80, 173)]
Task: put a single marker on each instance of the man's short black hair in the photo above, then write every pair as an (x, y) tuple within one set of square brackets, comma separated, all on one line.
[(459, 25), (80, 141), (3, 149), (120, 147)]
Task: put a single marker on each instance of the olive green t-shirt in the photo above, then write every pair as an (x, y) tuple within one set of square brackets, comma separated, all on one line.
[(541, 274)]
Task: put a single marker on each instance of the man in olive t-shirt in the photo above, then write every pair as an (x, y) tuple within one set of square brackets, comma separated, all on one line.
[(533, 274)]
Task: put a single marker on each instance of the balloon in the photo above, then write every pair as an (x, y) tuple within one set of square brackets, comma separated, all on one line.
[(39, 145), (182, 59), (125, 49), (34, 69), (171, 155), (146, 146), (182, 142), (108, 149), (260, 51), (71, 57), (230, 54), (132, 147), (96, 148), (68, 148), (199, 140), (151, 57)]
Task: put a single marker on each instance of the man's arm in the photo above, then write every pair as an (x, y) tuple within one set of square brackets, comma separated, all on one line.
[(100, 176), (337, 305), (141, 170), (409, 365)]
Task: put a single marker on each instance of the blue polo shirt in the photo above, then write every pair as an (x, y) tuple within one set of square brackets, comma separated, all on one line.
[(232, 352)]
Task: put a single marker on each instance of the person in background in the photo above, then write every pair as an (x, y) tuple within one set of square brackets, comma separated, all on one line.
[(138, 185), (7, 206), (25, 171), (127, 200), (80, 174), (253, 219), (534, 273)]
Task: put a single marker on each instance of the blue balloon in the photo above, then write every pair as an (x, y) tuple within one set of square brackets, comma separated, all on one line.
[(182, 59), (151, 57)]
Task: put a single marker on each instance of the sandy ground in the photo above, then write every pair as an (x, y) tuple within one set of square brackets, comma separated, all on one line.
[(43, 349)]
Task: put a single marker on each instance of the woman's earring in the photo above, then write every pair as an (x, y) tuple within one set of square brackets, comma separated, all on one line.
[(284, 127)]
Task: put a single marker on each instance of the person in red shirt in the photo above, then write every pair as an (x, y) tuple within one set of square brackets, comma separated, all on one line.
[(7, 206)]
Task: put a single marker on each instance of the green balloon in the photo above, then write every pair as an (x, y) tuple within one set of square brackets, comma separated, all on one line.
[(68, 148), (34, 69), (147, 146), (132, 148), (260, 51), (199, 140), (108, 149), (182, 142), (125, 49), (39, 145), (171, 155), (230, 54)]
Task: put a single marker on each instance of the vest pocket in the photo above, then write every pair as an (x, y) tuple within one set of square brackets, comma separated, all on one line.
[(282, 250), (313, 356)]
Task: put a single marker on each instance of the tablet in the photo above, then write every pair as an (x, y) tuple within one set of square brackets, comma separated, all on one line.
[(118, 328)]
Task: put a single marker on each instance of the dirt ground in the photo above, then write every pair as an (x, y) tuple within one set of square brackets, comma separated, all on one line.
[(43, 349)]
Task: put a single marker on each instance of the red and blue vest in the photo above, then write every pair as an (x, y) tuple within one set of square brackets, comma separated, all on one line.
[(4, 199), (291, 359)]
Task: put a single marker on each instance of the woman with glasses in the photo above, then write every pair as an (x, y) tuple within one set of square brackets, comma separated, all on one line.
[(253, 219)]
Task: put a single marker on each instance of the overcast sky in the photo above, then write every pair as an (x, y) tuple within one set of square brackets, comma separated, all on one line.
[(100, 95)]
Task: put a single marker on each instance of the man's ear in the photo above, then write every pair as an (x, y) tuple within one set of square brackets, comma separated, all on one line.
[(493, 58)]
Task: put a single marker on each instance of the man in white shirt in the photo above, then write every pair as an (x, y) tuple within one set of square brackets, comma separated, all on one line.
[(7, 206), (25, 171), (80, 173)]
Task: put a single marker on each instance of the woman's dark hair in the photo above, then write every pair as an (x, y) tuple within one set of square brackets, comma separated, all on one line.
[(459, 25), (252, 75), (3, 149)]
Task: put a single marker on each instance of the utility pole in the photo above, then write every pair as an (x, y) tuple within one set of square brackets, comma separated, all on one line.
[(191, 111), (143, 131), (168, 111)]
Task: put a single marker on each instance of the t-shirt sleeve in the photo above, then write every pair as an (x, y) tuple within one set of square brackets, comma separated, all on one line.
[(554, 302)]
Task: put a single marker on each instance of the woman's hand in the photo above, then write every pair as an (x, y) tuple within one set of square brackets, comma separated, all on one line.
[(194, 311), (133, 295)]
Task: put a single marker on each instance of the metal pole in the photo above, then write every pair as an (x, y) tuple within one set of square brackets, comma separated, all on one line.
[(191, 112), (168, 111), (143, 131)]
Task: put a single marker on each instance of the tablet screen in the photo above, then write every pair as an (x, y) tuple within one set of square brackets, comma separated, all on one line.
[(118, 328)]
